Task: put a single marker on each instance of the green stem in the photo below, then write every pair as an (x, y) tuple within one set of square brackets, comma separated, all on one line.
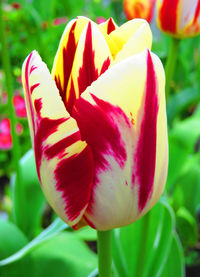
[(171, 64), (143, 243), (104, 253), (18, 199)]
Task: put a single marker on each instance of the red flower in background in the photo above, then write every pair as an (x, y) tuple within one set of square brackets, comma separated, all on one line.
[(19, 104), (60, 20), (100, 20), (5, 133), (180, 19), (139, 9), (16, 5)]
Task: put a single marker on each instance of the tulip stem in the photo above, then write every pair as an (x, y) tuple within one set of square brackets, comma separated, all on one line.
[(142, 250), (104, 253), (171, 64), (18, 195)]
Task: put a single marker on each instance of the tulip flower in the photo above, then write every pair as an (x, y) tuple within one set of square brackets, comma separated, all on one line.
[(180, 19), (98, 123), (139, 9)]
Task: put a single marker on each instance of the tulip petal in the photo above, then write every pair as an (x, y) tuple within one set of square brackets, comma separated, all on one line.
[(108, 26), (64, 162), (92, 58), (189, 13), (122, 117), (63, 61), (121, 35), (141, 40), (168, 14)]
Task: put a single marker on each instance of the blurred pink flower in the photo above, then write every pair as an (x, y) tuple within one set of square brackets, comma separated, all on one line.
[(19, 79), (5, 126), (19, 105), (5, 133), (100, 20), (60, 20), (19, 128)]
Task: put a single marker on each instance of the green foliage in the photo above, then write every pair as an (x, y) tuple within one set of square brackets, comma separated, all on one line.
[(145, 248), (51, 253), (33, 197)]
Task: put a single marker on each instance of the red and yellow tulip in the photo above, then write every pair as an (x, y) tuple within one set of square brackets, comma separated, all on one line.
[(98, 123), (179, 18), (139, 9)]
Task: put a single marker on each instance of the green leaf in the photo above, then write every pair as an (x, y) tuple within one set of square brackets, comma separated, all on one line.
[(188, 183), (57, 226), (64, 255), (177, 103), (187, 227), (141, 249), (187, 132), (33, 196), (174, 266), (178, 155), (11, 240)]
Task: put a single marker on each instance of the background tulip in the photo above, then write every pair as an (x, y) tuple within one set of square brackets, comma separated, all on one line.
[(139, 9), (177, 18), (99, 130)]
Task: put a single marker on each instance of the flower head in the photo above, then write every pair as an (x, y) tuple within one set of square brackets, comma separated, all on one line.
[(98, 123), (139, 9), (179, 18)]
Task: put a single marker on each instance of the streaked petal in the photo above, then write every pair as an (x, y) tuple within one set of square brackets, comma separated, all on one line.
[(64, 58), (168, 14), (180, 19), (141, 40), (108, 26), (64, 162), (121, 35), (92, 58), (139, 9), (122, 117)]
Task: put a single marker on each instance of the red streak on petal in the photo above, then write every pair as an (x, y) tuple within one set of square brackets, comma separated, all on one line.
[(33, 87), (111, 26), (168, 15), (68, 59), (58, 148), (197, 12), (88, 72), (27, 87), (33, 67), (74, 177), (105, 65), (146, 150), (46, 127), (89, 222), (98, 125)]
